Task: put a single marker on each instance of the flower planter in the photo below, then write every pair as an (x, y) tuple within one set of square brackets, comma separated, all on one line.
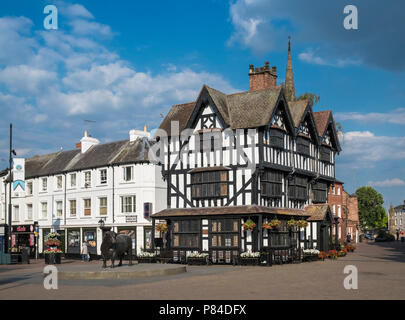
[(252, 261), (53, 258), (146, 259), (194, 261)]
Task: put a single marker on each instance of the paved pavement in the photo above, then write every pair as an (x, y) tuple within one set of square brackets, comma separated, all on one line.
[(381, 275)]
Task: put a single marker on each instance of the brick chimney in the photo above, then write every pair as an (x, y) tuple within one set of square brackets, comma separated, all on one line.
[(263, 77)]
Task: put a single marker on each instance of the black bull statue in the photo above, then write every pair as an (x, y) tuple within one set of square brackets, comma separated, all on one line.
[(115, 246)]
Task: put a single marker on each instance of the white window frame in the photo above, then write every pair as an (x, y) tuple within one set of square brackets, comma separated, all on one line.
[(125, 174), (104, 206), (103, 181), (131, 206), (86, 208), (70, 207), (87, 179), (16, 213), (44, 205), (59, 178), (339, 207), (73, 185), (44, 184), (338, 191), (29, 188), (29, 212), (59, 211)]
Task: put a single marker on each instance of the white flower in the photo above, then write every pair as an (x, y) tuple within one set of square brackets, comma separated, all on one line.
[(197, 255), (311, 251), (146, 255), (250, 254)]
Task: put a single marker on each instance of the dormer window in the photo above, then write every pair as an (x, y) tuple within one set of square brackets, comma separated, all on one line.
[(276, 138), (325, 153)]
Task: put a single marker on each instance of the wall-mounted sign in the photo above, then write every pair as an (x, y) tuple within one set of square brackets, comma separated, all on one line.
[(130, 218), (22, 228)]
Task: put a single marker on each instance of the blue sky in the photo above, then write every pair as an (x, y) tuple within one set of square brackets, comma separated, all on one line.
[(122, 65)]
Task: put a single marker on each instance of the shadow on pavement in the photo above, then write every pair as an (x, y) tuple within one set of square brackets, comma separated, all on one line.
[(395, 250)]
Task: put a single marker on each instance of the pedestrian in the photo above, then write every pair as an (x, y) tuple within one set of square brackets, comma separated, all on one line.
[(348, 238), (397, 234), (85, 252)]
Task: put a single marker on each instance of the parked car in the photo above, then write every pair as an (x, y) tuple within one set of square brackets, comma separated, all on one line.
[(369, 236), (384, 236)]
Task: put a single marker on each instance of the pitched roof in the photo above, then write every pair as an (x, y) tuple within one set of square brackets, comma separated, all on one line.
[(113, 153), (247, 109), (317, 212), (297, 109), (321, 120)]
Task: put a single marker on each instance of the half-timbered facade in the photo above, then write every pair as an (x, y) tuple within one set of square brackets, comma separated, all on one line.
[(252, 155)]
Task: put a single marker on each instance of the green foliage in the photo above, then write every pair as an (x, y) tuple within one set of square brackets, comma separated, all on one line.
[(372, 214), (312, 97)]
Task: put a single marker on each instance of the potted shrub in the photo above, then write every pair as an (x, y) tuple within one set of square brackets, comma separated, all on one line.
[(197, 259), (322, 255), (249, 259), (249, 225), (146, 257), (310, 254)]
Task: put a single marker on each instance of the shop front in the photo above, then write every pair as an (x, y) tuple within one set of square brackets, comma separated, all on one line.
[(90, 236), (23, 236)]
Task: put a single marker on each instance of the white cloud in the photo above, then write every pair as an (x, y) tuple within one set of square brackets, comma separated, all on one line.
[(397, 116), (364, 149), (50, 81), (395, 182), (309, 56)]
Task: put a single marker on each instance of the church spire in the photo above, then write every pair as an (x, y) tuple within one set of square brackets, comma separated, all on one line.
[(289, 78)]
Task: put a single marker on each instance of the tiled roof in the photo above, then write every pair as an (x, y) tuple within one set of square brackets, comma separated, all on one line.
[(317, 212), (230, 210), (321, 120), (297, 109), (114, 153), (248, 109)]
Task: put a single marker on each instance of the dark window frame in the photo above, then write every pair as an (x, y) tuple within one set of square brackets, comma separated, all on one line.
[(209, 184), (271, 184), (298, 188), (303, 146)]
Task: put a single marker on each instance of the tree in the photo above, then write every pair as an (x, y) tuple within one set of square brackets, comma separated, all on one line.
[(372, 214), (312, 97)]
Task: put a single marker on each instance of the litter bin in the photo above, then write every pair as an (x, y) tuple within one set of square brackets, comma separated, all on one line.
[(25, 255), (402, 239)]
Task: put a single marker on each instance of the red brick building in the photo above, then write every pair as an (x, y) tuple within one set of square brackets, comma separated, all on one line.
[(344, 206)]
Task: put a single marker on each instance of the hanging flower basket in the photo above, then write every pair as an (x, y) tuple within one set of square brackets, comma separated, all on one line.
[(302, 223), (266, 225), (161, 227), (275, 224), (291, 223), (249, 225)]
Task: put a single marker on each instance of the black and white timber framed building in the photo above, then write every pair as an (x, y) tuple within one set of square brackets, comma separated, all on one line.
[(258, 155)]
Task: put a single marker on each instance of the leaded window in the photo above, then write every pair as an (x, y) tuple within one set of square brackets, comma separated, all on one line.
[(186, 234), (209, 184), (320, 192), (325, 153), (272, 184), (224, 233), (303, 146), (276, 138), (297, 188)]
